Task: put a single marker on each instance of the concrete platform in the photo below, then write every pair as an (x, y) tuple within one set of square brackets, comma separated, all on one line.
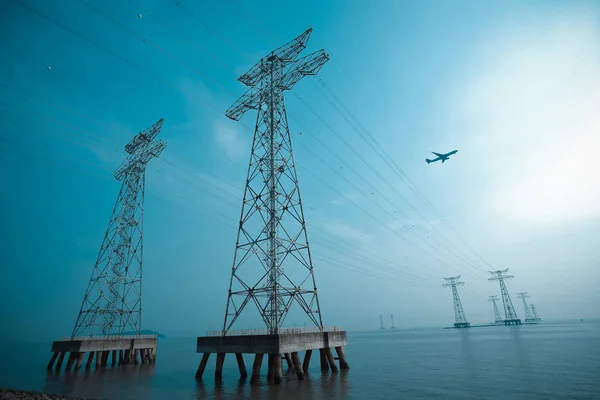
[(283, 346), (270, 344), (125, 350)]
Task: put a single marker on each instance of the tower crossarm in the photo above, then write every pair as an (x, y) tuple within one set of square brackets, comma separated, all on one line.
[(308, 65), (286, 53), (248, 101)]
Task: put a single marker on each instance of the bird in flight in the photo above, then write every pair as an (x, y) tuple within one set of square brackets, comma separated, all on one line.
[(439, 157)]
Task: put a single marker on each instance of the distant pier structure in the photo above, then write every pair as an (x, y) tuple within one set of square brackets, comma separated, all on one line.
[(108, 326), (392, 318), (272, 273), (381, 322), (460, 320), (510, 314)]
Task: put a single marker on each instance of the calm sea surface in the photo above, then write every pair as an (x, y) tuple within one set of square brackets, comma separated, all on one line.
[(545, 361)]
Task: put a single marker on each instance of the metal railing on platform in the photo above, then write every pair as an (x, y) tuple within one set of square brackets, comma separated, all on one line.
[(110, 337), (266, 331)]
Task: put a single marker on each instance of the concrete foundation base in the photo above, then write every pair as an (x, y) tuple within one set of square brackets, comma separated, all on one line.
[(512, 322), (278, 348), (124, 349), (462, 324)]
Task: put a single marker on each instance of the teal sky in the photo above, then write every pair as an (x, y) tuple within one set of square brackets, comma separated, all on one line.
[(512, 85)]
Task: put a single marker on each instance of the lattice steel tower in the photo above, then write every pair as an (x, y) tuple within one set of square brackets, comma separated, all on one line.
[(510, 314), (498, 317), (272, 265), (460, 320), (113, 300), (535, 314), (528, 312)]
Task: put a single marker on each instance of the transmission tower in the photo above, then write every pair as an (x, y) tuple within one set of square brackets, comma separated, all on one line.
[(381, 322), (511, 317), (460, 320), (498, 317), (536, 317), (392, 317), (113, 300), (528, 314), (272, 265)]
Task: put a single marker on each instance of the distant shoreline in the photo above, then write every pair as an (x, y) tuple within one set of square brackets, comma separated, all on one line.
[(10, 394)]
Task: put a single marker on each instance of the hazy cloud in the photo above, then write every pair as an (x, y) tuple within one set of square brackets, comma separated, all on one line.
[(229, 139)]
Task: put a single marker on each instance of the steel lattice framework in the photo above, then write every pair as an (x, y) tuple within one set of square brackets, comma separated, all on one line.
[(528, 312), (459, 312), (497, 316), (272, 231), (113, 300), (535, 314), (509, 309)]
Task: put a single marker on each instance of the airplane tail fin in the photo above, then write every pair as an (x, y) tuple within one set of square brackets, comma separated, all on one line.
[(428, 160)]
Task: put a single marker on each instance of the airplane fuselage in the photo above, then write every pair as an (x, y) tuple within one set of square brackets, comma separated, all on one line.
[(442, 157)]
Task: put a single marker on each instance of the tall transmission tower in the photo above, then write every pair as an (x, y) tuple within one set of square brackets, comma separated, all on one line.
[(497, 317), (529, 314), (536, 317), (113, 300), (460, 320), (392, 317), (510, 314), (381, 322), (272, 266)]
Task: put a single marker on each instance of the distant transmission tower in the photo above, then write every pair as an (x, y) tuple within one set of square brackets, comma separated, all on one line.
[(272, 266), (528, 313), (498, 317), (536, 317), (460, 320), (392, 317), (113, 300), (381, 322), (511, 317)]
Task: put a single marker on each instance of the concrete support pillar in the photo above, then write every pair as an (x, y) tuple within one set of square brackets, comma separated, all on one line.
[(331, 360), (277, 373), (52, 359), (88, 364), (70, 361), (241, 365), (80, 356), (342, 357), (134, 356), (114, 358), (258, 359), (202, 365), (144, 355), (288, 360), (270, 368), (121, 357), (219, 370), (60, 360), (126, 357), (324, 362), (105, 357), (306, 363), (297, 365), (98, 360)]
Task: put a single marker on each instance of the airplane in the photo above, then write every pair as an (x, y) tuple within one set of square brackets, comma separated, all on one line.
[(442, 157)]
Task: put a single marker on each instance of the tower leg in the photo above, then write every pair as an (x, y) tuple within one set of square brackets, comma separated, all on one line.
[(80, 356), (60, 360), (202, 365), (306, 361), (331, 360), (258, 359), (52, 359), (88, 364), (297, 365), (277, 373), (324, 362), (219, 370), (342, 357), (241, 365)]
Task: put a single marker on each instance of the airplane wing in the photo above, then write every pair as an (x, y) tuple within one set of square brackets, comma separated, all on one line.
[(438, 154)]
